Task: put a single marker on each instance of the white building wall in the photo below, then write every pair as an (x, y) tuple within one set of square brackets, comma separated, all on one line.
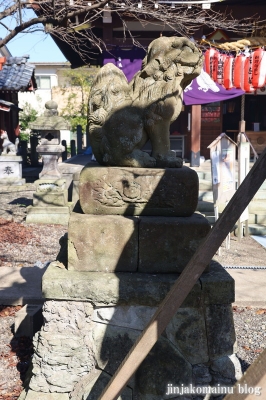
[(38, 99)]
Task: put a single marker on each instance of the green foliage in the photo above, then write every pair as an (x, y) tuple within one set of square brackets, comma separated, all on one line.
[(28, 115), (75, 110), (23, 136), (77, 120)]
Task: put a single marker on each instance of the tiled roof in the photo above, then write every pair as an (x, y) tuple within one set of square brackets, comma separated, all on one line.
[(17, 75)]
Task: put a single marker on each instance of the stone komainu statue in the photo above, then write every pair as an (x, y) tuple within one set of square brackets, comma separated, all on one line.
[(122, 117)]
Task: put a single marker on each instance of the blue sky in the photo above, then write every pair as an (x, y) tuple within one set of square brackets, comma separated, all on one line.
[(38, 45)]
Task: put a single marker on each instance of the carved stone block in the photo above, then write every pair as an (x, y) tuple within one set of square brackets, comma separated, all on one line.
[(102, 243), (10, 167), (167, 244), (138, 191)]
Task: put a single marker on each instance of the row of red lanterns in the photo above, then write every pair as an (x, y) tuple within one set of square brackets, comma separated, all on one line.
[(246, 72)]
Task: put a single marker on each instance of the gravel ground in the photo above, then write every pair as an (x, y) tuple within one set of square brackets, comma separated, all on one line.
[(40, 243)]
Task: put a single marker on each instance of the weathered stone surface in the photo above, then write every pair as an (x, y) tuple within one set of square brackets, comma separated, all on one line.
[(50, 154), (138, 191), (91, 386), (134, 317), (220, 330), (167, 244), (218, 286), (226, 368), (63, 348), (102, 243), (32, 395), (50, 199), (188, 333), (153, 377), (111, 345), (11, 168), (113, 289), (50, 192), (48, 215), (201, 375)]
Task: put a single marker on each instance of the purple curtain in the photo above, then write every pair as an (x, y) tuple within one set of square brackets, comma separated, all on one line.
[(203, 90), (129, 61)]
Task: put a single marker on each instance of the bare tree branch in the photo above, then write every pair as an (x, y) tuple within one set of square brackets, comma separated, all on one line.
[(73, 20)]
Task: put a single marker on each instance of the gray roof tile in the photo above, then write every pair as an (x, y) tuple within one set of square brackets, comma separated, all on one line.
[(17, 74)]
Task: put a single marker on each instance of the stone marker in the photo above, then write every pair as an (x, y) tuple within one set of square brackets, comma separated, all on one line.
[(10, 163)]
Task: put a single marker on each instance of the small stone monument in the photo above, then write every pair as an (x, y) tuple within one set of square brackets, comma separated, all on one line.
[(50, 202), (10, 163), (136, 231)]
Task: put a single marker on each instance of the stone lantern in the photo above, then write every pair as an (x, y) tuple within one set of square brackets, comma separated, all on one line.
[(50, 202), (48, 126)]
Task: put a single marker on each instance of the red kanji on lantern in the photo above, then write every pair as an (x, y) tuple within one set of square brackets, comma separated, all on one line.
[(211, 62), (220, 69), (258, 68), (248, 87)]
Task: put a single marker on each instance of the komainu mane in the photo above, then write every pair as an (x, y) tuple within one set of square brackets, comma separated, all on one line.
[(124, 116)]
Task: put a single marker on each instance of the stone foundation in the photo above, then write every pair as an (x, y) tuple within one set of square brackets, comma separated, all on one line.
[(121, 265), (95, 318)]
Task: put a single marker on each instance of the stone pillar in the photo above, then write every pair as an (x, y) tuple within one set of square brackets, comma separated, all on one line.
[(73, 148), (87, 136), (79, 139), (24, 151), (64, 153), (195, 135), (33, 151)]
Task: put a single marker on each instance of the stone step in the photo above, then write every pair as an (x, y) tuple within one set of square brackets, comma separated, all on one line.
[(256, 206), (205, 195), (205, 184), (257, 218), (204, 206), (254, 229)]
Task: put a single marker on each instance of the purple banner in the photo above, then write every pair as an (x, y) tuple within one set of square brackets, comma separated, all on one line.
[(129, 61), (203, 90)]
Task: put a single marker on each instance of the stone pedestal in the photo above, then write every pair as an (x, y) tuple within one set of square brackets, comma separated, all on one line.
[(50, 154), (50, 203), (120, 268), (93, 318), (11, 170)]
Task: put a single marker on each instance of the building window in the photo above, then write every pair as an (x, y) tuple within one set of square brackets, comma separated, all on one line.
[(43, 82)]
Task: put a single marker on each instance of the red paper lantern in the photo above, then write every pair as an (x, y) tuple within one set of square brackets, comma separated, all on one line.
[(248, 87), (228, 72), (238, 74), (220, 68), (258, 68), (211, 62)]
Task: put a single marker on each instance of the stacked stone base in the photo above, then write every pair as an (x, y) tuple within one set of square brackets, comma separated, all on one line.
[(125, 253), (92, 320)]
